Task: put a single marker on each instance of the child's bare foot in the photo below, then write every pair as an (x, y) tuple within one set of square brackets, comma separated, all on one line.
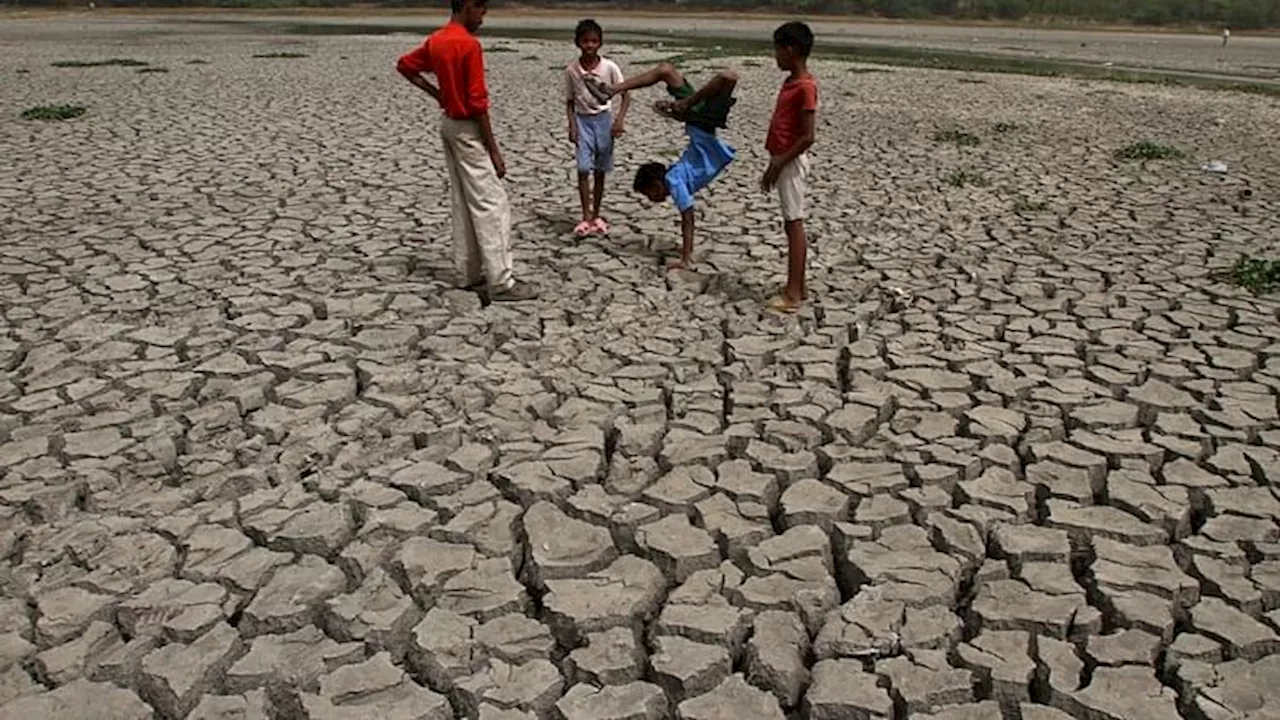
[(681, 263)]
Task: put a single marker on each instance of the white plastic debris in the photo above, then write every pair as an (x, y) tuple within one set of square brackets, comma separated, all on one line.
[(1216, 166)]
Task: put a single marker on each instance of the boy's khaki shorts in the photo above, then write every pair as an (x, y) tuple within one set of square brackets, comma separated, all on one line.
[(791, 188)]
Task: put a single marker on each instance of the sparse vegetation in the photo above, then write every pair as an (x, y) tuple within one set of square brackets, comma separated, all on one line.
[(1004, 127), (1023, 205), (153, 70), (53, 112), (280, 55), (963, 178), (113, 62), (957, 136), (1148, 150), (1257, 275)]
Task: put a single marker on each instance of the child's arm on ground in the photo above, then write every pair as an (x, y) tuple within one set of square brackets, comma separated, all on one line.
[(686, 246), (804, 140)]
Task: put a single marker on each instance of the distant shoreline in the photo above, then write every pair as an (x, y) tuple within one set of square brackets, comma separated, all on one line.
[(695, 12)]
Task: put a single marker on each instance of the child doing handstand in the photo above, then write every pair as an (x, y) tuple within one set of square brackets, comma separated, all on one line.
[(702, 111)]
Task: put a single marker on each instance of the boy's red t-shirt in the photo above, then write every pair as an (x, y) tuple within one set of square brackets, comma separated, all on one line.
[(797, 96), (454, 55)]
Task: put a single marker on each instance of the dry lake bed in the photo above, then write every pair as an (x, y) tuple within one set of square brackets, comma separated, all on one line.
[(259, 459)]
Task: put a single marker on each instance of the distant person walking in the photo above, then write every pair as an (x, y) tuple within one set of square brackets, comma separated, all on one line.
[(481, 212), (1226, 35)]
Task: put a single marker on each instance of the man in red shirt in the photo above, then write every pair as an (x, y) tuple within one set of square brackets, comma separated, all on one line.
[(791, 134), (481, 213)]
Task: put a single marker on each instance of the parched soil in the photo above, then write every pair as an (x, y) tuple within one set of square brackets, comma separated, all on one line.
[(260, 457)]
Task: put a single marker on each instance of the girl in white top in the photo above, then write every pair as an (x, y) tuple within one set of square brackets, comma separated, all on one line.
[(592, 123)]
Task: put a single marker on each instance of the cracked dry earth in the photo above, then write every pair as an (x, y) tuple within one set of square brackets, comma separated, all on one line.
[(258, 460)]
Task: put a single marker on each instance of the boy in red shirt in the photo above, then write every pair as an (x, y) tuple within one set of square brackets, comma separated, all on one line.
[(481, 213), (790, 135)]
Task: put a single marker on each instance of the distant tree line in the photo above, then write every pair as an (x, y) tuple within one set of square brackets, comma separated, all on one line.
[(1239, 14), (1242, 14)]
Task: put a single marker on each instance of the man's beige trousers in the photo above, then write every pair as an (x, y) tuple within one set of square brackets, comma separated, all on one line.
[(481, 213)]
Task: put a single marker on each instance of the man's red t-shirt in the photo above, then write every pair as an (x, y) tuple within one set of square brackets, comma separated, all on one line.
[(454, 56), (797, 97)]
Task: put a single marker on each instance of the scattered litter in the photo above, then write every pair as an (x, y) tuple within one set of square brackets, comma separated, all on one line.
[(1217, 166), (892, 648), (899, 294)]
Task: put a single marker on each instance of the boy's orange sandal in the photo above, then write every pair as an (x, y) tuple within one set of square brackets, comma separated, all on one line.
[(781, 304)]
